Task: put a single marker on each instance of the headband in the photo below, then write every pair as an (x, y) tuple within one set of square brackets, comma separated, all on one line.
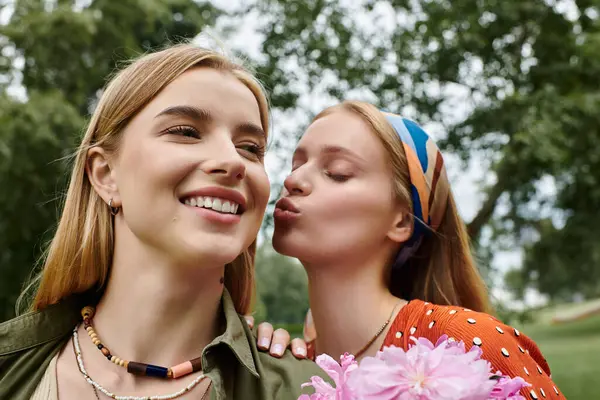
[(429, 184)]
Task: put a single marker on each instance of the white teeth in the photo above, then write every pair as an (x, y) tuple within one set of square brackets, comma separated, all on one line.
[(226, 207), (216, 205), (220, 205)]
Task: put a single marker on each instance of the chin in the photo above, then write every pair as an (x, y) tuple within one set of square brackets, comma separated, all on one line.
[(289, 244), (213, 252)]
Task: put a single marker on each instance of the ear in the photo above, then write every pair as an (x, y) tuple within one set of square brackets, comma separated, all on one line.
[(100, 174), (402, 225)]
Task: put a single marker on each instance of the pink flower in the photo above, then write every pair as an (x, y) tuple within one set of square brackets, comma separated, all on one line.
[(508, 388), (443, 371), (339, 373)]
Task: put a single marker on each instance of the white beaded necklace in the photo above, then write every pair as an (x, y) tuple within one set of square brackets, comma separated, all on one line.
[(99, 387)]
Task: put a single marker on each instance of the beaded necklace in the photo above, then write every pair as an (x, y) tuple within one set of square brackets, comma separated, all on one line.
[(97, 387), (137, 368)]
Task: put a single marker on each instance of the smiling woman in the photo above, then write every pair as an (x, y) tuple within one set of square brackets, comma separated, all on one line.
[(153, 258)]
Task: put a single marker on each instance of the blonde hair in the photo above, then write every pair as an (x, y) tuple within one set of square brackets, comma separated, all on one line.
[(443, 270), (80, 254)]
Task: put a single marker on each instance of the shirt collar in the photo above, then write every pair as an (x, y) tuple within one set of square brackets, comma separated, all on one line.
[(236, 336)]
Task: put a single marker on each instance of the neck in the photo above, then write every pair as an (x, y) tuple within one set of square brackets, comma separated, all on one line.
[(155, 312), (349, 304)]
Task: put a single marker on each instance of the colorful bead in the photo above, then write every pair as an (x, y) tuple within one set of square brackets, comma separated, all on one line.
[(136, 368), (196, 364), (155, 370), (182, 369), (87, 311)]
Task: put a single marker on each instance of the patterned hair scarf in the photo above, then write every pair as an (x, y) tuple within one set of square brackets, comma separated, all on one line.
[(428, 182)]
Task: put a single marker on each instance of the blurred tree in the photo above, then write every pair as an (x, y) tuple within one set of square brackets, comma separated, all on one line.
[(34, 137), (516, 82), (61, 53), (282, 287)]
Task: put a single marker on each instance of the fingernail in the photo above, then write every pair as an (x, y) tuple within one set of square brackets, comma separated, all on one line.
[(301, 351), (278, 349), (264, 342), (248, 321)]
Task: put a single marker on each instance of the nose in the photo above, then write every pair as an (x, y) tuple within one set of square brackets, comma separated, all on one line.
[(295, 184), (226, 165)]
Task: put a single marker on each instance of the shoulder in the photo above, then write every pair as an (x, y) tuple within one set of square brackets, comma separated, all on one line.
[(508, 350), (27, 345), (281, 377), (287, 374), (34, 328)]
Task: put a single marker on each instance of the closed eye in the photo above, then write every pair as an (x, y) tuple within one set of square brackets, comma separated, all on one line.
[(337, 177)]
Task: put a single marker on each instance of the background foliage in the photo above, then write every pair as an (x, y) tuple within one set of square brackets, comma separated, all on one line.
[(510, 88)]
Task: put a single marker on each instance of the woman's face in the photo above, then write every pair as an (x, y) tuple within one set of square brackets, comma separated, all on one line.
[(338, 201), (189, 173)]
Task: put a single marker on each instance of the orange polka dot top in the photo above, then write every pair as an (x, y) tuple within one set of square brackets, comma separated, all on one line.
[(508, 350)]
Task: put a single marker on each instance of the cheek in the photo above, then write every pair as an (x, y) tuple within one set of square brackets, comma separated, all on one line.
[(353, 209), (154, 167), (259, 187)]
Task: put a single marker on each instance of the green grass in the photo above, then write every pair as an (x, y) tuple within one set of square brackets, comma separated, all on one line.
[(573, 352)]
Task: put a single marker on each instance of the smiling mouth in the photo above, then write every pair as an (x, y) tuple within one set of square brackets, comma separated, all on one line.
[(217, 204)]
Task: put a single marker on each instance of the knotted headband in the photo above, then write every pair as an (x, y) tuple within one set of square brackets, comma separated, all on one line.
[(428, 182)]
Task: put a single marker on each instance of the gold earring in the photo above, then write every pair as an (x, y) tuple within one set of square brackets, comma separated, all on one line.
[(113, 210)]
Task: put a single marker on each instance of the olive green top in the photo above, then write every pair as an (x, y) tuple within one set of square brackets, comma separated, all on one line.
[(232, 361)]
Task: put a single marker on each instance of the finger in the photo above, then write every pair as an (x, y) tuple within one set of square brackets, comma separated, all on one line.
[(265, 333), (299, 348), (249, 320), (281, 340), (308, 331)]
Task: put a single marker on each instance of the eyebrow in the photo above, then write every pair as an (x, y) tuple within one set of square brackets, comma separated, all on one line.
[(201, 115), (194, 113), (252, 129)]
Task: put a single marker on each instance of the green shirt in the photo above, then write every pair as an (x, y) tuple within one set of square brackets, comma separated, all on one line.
[(233, 363)]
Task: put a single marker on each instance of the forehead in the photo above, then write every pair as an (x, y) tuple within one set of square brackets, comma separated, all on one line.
[(218, 92), (343, 129)]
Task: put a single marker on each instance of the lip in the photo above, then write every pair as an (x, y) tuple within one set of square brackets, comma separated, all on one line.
[(285, 204), (285, 210), (220, 192), (215, 216)]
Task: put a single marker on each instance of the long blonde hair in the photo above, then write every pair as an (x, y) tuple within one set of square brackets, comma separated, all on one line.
[(80, 254), (442, 271)]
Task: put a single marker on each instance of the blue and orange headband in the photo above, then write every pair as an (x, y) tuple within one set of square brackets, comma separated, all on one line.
[(428, 182)]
